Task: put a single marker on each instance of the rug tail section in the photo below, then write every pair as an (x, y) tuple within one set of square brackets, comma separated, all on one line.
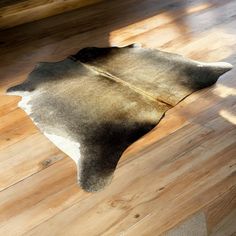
[(206, 74), (20, 89), (219, 68), (93, 175), (16, 90)]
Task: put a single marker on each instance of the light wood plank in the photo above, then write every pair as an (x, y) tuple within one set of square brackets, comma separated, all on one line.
[(220, 215), (17, 165), (194, 226)]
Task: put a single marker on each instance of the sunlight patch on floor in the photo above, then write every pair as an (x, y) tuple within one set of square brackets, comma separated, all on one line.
[(151, 23), (228, 116), (224, 91), (197, 8)]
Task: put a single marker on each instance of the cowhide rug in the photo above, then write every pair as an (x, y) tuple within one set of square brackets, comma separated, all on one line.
[(94, 104)]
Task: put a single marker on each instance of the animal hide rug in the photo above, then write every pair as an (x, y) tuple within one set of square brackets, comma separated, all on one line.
[(94, 104)]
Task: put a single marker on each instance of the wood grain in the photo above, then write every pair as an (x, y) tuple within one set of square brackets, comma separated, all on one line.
[(195, 225), (184, 168), (15, 12)]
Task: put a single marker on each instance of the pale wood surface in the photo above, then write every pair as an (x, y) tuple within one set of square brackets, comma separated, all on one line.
[(181, 174)]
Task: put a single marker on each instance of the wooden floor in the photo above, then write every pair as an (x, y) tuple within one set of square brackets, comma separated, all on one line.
[(17, 12), (180, 179)]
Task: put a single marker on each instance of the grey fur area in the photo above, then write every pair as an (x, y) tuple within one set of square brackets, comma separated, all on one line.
[(94, 104)]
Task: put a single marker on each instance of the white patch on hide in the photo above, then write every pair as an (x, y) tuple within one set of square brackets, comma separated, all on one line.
[(69, 147), (221, 65), (137, 45), (25, 100), (24, 103)]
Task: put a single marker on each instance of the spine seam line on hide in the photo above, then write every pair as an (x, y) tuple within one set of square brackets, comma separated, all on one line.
[(134, 88)]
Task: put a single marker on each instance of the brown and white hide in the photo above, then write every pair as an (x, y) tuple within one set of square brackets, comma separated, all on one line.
[(94, 104)]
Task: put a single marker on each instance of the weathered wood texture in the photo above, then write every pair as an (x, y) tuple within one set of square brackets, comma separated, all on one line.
[(177, 177)]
